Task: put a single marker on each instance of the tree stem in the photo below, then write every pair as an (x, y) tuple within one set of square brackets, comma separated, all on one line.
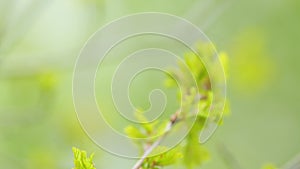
[(173, 120)]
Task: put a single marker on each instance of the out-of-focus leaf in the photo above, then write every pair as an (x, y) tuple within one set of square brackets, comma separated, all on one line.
[(251, 64), (48, 81), (224, 61), (269, 166), (134, 132), (194, 153)]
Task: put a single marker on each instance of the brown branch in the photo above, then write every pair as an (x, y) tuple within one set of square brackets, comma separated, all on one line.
[(173, 120)]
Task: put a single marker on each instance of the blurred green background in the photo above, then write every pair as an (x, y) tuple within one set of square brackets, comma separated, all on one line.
[(40, 41)]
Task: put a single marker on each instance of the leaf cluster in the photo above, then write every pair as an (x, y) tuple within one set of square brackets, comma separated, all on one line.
[(195, 95), (81, 160)]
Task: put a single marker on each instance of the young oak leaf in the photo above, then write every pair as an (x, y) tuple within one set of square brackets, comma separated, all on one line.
[(81, 161)]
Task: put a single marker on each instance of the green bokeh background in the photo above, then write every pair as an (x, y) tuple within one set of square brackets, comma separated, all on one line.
[(40, 40)]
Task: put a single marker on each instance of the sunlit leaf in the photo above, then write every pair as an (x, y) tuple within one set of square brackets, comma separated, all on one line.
[(81, 160)]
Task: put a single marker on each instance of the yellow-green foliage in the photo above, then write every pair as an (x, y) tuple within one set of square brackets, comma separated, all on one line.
[(168, 158), (269, 166), (195, 94), (81, 160)]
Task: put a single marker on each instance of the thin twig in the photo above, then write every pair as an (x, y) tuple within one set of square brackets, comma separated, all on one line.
[(173, 120), (228, 157), (293, 164)]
